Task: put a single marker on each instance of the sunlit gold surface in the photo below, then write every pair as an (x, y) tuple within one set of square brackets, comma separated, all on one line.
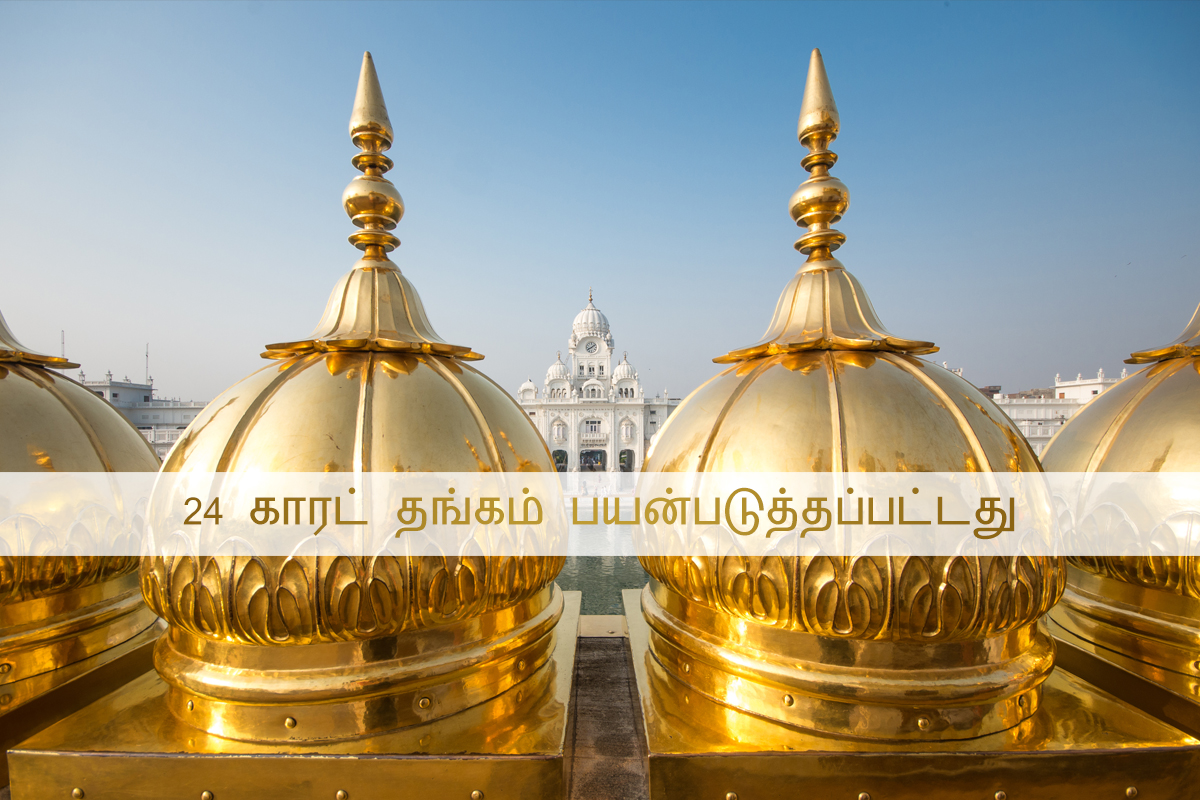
[(346, 647), (1082, 743), (884, 648), (129, 745), (1139, 613), (62, 617)]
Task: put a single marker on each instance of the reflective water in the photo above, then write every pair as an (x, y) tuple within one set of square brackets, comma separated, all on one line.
[(601, 579)]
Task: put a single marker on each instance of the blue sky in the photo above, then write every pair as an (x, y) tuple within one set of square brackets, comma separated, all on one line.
[(1024, 178)]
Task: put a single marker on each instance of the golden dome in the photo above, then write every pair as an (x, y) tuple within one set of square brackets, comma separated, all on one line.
[(829, 389), (1146, 423), (373, 388), (1144, 608), (54, 610)]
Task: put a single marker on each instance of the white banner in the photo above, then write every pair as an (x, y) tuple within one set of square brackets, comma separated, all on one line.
[(600, 514)]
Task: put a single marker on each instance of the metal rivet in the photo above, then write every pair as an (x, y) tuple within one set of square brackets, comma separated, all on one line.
[(77, 793), (4, 668), (923, 723), (687, 667), (521, 664), (1001, 795), (342, 794), (191, 706), (206, 795), (864, 796), (788, 700), (476, 795), (424, 702), (290, 722), (731, 796), (1131, 791), (1021, 701)]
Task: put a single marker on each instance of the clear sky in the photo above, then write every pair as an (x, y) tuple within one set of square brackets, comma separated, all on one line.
[(1024, 178)]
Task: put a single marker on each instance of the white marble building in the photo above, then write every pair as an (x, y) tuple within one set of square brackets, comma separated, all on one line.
[(160, 421), (594, 417), (1039, 414)]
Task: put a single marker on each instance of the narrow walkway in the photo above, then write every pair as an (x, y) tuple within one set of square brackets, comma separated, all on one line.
[(608, 761)]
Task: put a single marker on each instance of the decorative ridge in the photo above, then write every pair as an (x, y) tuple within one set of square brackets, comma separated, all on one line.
[(1185, 345), (374, 306), (12, 350), (823, 307)]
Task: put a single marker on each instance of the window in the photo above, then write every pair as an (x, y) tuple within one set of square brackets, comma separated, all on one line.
[(145, 398), (581, 369), (602, 373), (100, 394), (591, 369), (652, 411), (145, 416), (116, 395), (533, 413), (155, 416), (592, 426), (1095, 391)]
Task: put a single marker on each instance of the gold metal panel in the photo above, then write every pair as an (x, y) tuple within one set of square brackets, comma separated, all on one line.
[(1081, 743), (33, 704), (129, 745)]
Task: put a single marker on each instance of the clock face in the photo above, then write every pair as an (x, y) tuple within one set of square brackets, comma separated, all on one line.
[(591, 347)]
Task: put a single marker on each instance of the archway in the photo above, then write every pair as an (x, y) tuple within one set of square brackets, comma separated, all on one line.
[(560, 460), (593, 461), (626, 461)]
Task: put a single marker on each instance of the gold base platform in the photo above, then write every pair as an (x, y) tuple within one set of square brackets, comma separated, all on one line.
[(37, 702), (1168, 695), (1082, 743), (128, 745)]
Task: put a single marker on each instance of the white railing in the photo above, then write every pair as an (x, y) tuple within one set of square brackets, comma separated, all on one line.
[(593, 438)]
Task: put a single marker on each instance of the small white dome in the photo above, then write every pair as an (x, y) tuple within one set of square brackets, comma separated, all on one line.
[(590, 320), (558, 371), (527, 385), (624, 370)]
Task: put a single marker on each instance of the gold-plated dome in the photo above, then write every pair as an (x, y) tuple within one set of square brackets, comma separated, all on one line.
[(889, 648), (348, 645), (57, 610), (1143, 609)]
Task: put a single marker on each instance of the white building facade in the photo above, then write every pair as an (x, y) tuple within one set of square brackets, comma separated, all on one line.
[(160, 421), (1039, 415), (595, 417)]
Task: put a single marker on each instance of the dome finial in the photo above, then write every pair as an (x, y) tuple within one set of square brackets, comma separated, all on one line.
[(821, 200), (13, 350), (374, 306), (589, 294), (823, 307), (371, 200)]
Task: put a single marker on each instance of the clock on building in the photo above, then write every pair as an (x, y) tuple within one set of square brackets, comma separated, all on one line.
[(590, 347)]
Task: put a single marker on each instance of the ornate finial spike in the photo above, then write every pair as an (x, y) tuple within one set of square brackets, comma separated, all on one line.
[(818, 111), (822, 199), (370, 112), (589, 294), (823, 307), (371, 200)]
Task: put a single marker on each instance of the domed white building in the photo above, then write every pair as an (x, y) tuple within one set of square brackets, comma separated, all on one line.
[(594, 417)]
